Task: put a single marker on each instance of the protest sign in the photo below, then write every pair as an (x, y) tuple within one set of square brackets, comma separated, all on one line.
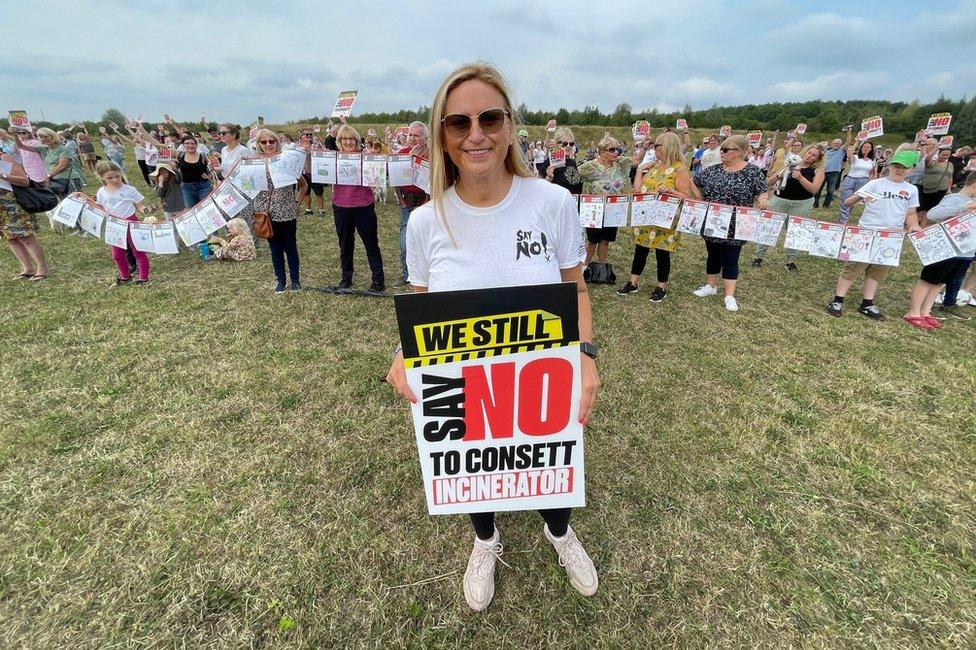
[(343, 105), (209, 216), (654, 210), (856, 246), (945, 140), (374, 170), (67, 212), (165, 155), (324, 167), (681, 125), (769, 227), (293, 161), (497, 377), (421, 173), (557, 157), (725, 131), (280, 172), (799, 233), (800, 129), (190, 231), (755, 138), (19, 120), (349, 169), (116, 232), (641, 130), (591, 210), (164, 239), (920, 135), (229, 200), (962, 232), (873, 127), (886, 247), (400, 170), (718, 220), (747, 223), (551, 126), (827, 240), (91, 221), (616, 210), (932, 245), (939, 123), (692, 217), (250, 177), (861, 136), (142, 236)]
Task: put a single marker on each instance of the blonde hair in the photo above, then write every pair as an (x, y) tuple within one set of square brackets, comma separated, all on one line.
[(104, 167), (563, 133), (348, 131), (45, 132), (820, 160), (607, 142), (265, 134), (443, 172), (238, 225), (670, 148), (739, 142)]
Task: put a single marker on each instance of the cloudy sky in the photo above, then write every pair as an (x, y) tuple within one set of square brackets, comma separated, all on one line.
[(290, 58)]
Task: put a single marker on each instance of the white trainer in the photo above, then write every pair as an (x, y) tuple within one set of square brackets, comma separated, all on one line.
[(479, 578), (705, 290), (572, 556), (939, 298), (731, 304)]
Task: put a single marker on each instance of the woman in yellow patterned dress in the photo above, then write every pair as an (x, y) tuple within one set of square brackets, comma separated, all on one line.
[(18, 227), (667, 175)]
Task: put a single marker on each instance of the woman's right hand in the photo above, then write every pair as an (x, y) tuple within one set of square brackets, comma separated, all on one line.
[(550, 170), (397, 378)]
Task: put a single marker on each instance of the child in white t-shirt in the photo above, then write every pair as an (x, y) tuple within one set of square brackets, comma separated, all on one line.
[(890, 203), (123, 201)]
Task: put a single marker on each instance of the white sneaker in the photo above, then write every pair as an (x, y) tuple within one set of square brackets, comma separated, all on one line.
[(939, 298), (964, 298), (479, 578), (731, 304), (705, 290), (572, 556)]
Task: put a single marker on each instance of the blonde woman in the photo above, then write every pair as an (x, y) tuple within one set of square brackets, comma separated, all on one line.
[(568, 175), (796, 197), (608, 173), (667, 175), (482, 194)]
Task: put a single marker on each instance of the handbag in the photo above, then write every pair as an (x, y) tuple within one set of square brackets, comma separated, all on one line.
[(35, 198), (262, 220)]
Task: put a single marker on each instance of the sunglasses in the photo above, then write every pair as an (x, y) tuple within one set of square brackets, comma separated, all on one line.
[(567, 144), (268, 141), (223, 132), (728, 149), (616, 150), (459, 125)]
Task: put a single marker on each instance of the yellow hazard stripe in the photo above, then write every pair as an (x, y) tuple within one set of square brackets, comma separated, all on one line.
[(421, 362)]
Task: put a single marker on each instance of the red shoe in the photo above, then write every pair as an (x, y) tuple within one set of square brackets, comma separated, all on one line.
[(934, 322), (918, 321)]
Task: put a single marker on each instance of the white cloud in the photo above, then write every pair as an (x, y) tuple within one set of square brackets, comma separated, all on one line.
[(845, 84), (702, 89)]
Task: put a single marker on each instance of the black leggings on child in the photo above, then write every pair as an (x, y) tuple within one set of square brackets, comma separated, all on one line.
[(557, 519), (724, 258), (640, 261)]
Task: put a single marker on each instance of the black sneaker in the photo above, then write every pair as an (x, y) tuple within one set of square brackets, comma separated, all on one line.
[(791, 266), (296, 286), (627, 289), (377, 287), (658, 294), (871, 311), (757, 262), (121, 281), (345, 284), (280, 288), (835, 308), (146, 281), (942, 313)]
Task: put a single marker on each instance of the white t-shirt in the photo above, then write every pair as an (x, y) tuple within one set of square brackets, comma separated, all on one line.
[(889, 211), (121, 203), (230, 157), (540, 156), (527, 238), (860, 167), (711, 157)]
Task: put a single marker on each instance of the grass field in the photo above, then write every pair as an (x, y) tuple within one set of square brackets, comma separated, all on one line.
[(201, 462)]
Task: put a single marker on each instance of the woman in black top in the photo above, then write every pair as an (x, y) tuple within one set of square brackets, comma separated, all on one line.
[(796, 196), (568, 175), (195, 171)]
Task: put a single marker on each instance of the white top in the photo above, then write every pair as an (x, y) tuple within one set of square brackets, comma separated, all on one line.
[(649, 157), (861, 167), (540, 155), (527, 238), (230, 157), (121, 203), (140, 152), (711, 157), (889, 211)]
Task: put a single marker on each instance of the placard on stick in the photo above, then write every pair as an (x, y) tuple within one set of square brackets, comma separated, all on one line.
[(343, 105), (872, 127), (496, 373)]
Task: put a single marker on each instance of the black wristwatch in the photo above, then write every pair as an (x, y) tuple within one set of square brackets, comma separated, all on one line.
[(589, 349)]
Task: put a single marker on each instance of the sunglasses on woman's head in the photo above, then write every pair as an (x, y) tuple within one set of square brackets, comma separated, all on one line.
[(458, 125)]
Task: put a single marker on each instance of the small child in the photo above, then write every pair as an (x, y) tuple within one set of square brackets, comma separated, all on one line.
[(894, 206), (240, 248), (124, 201), (168, 188)]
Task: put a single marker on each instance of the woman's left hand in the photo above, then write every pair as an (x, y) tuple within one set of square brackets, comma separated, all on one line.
[(796, 173), (763, 202), (591, 384)]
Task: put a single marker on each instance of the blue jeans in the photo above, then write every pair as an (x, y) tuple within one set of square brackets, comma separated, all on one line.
[(404, 217), (193, 193), (831, 180), (847, 189)]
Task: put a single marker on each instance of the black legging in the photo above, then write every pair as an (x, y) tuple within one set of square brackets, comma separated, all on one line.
[(557, 519), (640, 261), (144, 168), (284, 243), (349, 221), (724, 258)]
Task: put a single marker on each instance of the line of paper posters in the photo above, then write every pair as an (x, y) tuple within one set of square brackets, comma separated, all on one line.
[(951, 238), (370, 170)]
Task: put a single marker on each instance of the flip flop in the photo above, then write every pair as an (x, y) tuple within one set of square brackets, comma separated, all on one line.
[(918, 321), (38, 278), (23, 276), (934, 322)]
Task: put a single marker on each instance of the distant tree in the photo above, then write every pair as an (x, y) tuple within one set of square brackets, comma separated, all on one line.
[(112, 115)]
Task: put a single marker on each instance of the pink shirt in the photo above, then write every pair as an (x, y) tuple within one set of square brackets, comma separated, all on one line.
[(33, 163), (352, 196)]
